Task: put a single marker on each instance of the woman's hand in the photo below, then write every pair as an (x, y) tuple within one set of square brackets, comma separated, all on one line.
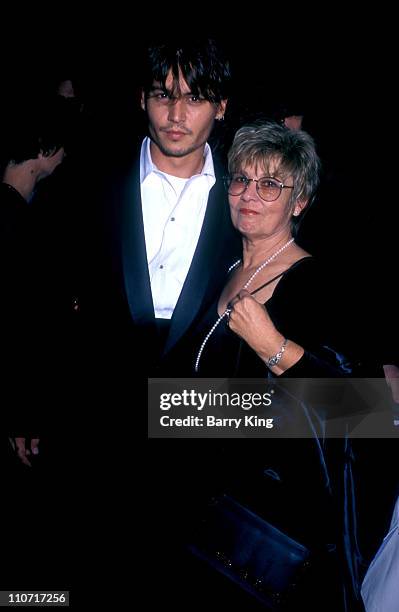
[(251, 321)]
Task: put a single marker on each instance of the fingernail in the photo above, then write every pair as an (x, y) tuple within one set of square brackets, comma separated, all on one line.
[(35, 451)]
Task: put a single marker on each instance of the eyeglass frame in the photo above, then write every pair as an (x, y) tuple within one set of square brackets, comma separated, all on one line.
[(248, 180)]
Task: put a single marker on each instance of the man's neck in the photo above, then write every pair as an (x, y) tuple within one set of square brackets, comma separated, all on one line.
[(22, 177), (181, 167)]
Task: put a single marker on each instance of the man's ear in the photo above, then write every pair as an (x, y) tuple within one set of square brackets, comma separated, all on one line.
[(142, 100), (221, 110), (44, 154)]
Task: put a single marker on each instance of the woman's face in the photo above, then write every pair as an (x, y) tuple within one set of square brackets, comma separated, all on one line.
[(256, 218)]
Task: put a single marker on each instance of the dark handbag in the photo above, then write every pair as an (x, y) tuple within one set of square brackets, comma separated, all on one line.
[(250, 551)]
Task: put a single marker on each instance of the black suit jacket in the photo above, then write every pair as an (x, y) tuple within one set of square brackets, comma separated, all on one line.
[(31, 342), (129, 316)]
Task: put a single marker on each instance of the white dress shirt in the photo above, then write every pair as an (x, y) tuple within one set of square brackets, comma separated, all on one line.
[(173, 213)]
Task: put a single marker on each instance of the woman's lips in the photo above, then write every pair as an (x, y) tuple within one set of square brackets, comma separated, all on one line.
[(248, 211)]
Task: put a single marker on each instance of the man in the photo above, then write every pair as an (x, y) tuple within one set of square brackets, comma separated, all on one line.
[(171, 239), (170, 243)]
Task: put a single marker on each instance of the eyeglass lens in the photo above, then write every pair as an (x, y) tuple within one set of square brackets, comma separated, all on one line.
[(268, 188)]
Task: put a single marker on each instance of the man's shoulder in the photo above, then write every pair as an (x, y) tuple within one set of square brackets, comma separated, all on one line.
[(219, 163)]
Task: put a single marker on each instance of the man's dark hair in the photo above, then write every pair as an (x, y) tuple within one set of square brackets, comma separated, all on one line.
[(201, 62), (35, 127)]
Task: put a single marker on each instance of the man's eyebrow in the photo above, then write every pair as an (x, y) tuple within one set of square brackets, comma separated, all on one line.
[(161, 89)]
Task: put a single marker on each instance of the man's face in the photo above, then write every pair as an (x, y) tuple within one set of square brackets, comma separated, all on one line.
[(179, 122), (65, 89)]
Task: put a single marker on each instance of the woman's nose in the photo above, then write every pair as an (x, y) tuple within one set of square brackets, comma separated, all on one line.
[(250, 192)]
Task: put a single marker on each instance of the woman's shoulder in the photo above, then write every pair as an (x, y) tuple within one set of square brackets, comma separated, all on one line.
[(306, 269), (305, 285), (305, 263)]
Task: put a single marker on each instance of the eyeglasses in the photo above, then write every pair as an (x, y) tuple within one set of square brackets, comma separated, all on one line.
[(268, 188)]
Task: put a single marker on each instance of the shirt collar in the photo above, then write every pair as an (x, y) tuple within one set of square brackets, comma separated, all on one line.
[(147, 166)]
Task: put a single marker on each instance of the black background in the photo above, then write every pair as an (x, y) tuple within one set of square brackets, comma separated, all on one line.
[(337, 66)]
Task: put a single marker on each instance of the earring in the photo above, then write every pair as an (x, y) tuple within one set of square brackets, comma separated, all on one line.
[(220, 118)]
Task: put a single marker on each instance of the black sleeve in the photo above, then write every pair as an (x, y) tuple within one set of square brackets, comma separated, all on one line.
[(305, 310), (313, 365)]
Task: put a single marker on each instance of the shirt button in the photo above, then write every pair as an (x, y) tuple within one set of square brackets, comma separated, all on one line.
[(161, 267), (172, 218)]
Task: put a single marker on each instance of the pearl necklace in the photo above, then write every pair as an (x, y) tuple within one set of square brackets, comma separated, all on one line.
[(228, 310)]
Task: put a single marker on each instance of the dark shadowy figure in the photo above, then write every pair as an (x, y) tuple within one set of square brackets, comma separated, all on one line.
[(32, 147), (34, 335)]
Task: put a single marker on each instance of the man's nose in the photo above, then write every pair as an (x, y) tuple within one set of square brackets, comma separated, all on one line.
[(177, 110)]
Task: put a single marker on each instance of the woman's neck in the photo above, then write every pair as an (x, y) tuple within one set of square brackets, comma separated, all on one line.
[(256, 252)]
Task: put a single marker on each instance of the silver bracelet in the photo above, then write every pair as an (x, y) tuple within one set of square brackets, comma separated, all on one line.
[(274, 359)]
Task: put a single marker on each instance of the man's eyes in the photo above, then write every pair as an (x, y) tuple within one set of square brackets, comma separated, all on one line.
[(164, 96), (159, 95)]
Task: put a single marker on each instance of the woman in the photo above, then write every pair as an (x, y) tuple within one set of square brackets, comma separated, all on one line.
[(271, 319), (273, 302)]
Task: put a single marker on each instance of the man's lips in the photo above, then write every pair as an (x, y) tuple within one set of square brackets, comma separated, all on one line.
[(175, 133)]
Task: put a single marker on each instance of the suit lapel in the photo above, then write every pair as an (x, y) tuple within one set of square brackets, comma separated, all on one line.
[(134, 256)]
